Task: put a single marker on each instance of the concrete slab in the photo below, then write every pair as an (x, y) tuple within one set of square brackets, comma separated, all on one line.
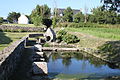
[(38, 59), (38, 55), (38, 47), (40, 68)]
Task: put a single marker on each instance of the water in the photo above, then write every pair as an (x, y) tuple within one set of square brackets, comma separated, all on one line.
[(66, 66), (76, 65)]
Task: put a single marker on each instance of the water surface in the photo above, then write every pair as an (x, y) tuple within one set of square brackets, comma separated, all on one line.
[(76, 65)]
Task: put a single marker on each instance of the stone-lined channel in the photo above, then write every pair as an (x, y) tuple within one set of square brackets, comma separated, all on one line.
[(65, 66)]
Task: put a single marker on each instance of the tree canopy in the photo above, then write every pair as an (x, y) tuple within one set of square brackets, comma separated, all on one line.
[(103, 16), (13, 17), (112, 4), (68, 14), (79, 17), (39, 14), (1, 19)]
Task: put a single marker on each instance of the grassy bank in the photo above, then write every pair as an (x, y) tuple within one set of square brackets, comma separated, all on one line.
[(94, 37), (6, 38), (23, 25), (106, 33)]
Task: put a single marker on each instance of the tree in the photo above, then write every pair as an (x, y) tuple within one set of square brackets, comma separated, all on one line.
[(1, 19), (68, 15), (103, 16), (112, 4), (39, 14), (79, 17), (98, 14), (118, 19), (13, 17), (54, 21), (92, 18)]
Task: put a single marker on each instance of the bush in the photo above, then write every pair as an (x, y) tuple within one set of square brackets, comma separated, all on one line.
[(65, 24), (62, 35), (69, 38), (78, 25)]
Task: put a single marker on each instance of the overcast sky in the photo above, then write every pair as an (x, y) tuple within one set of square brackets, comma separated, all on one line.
[(26, 6)]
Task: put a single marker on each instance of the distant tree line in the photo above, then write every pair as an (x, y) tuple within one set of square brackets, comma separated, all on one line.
[(99, 15), (106, 14), (113, 5)]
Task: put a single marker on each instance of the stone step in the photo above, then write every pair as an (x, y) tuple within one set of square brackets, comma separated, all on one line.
[(38, 47), (38, 55), (39, 68), (38, 59)]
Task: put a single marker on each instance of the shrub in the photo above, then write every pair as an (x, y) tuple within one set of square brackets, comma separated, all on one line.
[(69, 38), (78, 25), (62, 32), (62, 35), (65, 24)]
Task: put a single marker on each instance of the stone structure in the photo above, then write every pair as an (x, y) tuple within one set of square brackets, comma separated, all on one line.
[(18, 28), (23, 20), (50, 35), (9, 58), (39, 65), (40, 68)]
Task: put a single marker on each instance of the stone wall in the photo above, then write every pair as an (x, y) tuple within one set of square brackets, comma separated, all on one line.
[(10, 57), (20, 29)]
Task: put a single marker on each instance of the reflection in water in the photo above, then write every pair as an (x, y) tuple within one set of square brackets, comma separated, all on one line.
[(79, 65)]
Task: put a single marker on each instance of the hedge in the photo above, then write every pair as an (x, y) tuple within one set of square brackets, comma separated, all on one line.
[(78, 25)]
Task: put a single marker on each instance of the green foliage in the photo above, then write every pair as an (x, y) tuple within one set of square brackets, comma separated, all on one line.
[(40, 15), (69, 38), (79, 17), (46, 45), (62, 32), (78, 25), (107, 33), (1, 20), (65, 24), (92, 18), (112, 5), (62, 35), (54, 22), (13, 17), (102, 16), (111, 49), (68, 14), (118, 19)]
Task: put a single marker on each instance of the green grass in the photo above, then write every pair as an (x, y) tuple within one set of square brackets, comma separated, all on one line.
[(107, 33), (24, 25), (6, 38)]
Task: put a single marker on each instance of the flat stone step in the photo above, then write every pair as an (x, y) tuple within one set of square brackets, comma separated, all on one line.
[(38, 54), (40, 68), (59, 49), (38, 47), (38, 59)]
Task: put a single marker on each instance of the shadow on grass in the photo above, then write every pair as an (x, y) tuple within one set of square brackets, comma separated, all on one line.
[(111, 49), (4, 39)]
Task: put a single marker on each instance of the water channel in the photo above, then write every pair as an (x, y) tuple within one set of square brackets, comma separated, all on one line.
[(67, 66)]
